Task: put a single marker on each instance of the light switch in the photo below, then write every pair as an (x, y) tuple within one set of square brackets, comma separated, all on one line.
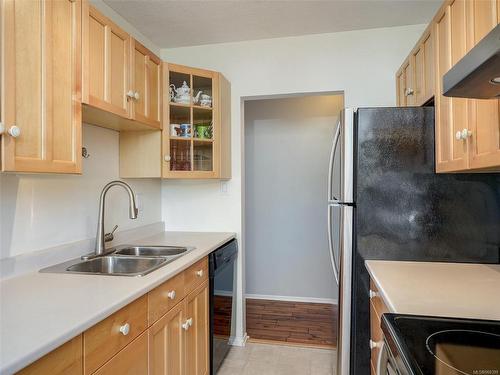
[(224, 187)]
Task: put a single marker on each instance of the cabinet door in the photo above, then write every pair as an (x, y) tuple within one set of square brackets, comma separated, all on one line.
[(41, 82), (400, 85), (409, 75), (67, 360), (106, 60), (484, 115), (451, 113), (197, 344), (132, 360), (429, 63), (146, 75), (419, 66), (166, 342)]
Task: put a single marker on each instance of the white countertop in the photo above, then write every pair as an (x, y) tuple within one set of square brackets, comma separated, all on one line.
[(459, 290), (41, 311)]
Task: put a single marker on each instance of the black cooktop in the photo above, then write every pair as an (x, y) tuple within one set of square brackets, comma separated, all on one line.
[(443, 346)]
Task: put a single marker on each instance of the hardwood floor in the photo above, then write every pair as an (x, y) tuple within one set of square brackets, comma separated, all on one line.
[(290, 322)]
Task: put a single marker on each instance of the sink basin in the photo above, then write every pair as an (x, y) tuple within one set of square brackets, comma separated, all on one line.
[(152, 251), (119, 266)]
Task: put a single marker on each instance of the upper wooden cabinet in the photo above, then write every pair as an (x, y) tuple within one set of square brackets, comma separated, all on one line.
[(196, 139), (415, 78), (196, 132), (484, 115), (146, 85), (40, 90), (120, 76), (467, 130), (106, 63)]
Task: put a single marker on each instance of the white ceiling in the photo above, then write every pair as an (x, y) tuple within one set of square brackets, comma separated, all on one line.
[(176, 23)]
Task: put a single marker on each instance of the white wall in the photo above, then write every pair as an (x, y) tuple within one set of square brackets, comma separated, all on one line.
[(42, 211), (360, 63), (287, 149)]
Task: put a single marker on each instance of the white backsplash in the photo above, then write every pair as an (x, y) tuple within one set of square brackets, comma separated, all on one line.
[(44, 211)]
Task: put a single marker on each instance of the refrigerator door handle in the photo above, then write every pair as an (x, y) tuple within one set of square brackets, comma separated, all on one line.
[(332, 163), (330, 245)]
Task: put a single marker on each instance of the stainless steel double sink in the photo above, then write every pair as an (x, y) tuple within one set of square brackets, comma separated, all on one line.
[(123, 261)]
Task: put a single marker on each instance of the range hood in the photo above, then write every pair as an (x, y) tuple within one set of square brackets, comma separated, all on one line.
[(477, 74)]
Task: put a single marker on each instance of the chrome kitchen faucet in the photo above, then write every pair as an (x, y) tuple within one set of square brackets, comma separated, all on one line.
[(101, 236)]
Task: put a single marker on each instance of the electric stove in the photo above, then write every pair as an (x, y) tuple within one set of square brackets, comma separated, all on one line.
[(421, 345)]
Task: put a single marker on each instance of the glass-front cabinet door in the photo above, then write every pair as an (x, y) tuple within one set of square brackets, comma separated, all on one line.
[(191, 130)]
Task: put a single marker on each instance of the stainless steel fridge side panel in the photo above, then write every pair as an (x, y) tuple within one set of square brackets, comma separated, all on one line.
[(345, 290)]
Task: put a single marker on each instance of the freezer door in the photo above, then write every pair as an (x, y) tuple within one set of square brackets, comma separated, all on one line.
[(340, 172)]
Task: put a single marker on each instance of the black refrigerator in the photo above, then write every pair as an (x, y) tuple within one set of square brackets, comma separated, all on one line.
[(385, 201)]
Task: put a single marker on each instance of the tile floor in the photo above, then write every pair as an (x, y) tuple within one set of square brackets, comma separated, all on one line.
[(265, 359)]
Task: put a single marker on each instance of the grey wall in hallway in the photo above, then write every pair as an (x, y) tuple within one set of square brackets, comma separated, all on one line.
[(287, 146)]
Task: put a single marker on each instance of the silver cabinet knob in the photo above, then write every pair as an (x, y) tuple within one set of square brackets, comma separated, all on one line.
[(136, 95), (409, 91), (199, 273), (14, 131), (167, 158), (130, 94)]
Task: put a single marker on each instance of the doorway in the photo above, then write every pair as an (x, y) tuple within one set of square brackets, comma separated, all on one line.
[(291, 295)]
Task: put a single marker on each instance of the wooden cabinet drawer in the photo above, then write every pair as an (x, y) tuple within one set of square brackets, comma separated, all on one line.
[(133, 360), (164, 297), (195, 275), (67, 360), (106, 338), (377, 301)]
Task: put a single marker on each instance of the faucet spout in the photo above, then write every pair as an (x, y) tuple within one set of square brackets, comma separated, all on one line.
[(99, 244)]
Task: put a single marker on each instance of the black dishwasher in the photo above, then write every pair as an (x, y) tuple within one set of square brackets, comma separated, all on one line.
[(221, 274)]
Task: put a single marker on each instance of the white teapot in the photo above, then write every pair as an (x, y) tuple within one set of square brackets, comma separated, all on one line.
[(180, 94)]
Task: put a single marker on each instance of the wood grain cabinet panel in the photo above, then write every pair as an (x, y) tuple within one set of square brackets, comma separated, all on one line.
[(467, 130), (146, 76), (167, 343), (106, 63), (400, 89), (197, 343), (484, 115), (108, 337), (65, 360), (451, 113), (132, 360), (41, 86), (195, 275), (164, 297)]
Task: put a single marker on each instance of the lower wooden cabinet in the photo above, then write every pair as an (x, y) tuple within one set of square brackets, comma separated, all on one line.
[(377, 308), (197, 343), (67, 360), (160, 333), (167, 344), (132, 360), (179, 343)]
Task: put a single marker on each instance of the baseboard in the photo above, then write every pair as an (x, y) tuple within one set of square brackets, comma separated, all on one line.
[(238, 341), (329, 301), (224, 293)]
